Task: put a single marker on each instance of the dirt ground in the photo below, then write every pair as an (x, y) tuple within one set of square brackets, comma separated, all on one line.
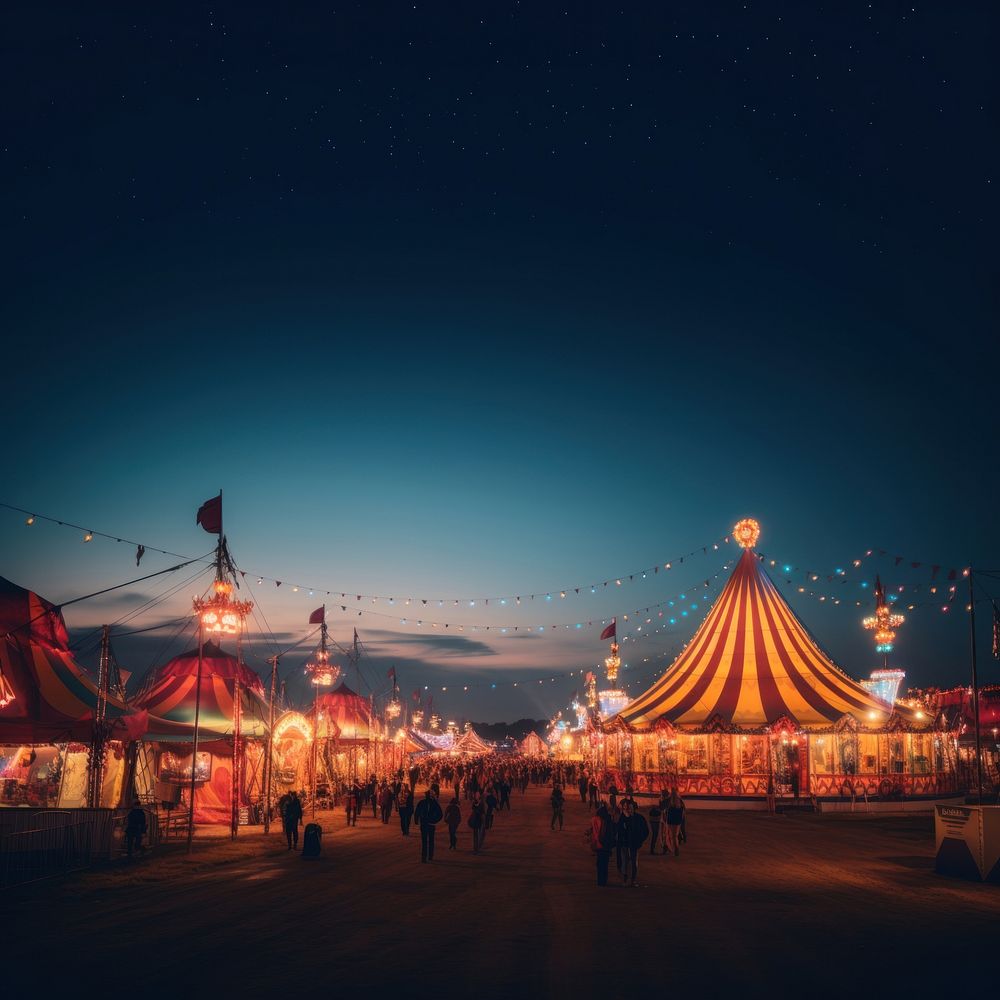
[(825, 904)]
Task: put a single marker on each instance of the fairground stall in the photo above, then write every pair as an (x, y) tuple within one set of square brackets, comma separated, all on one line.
[(232, 733), (752, 705)]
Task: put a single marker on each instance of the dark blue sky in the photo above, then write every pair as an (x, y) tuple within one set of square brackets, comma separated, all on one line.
[(500, 300)]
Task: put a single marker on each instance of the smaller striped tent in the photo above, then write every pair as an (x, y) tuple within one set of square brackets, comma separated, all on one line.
[(344, 716), (170, 695), (533, 746), (471, 742)]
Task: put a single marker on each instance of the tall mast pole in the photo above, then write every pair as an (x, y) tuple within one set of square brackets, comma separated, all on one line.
[(97, 742), (197, 718), (269, 761), (975, 690)]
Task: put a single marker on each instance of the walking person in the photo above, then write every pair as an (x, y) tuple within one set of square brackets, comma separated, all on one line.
[(602, 838), (632, 834), (428, 815), (664, 802), (452, 817), (405, 807), (291, 818), (477, 823), (351, 804), (675, 817), (655, 816), (385, 801), (582, 785), (592, 792), (491, 807), (135, 828), (557, 807)]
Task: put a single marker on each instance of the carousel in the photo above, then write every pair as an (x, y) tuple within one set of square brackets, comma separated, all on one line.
[(753, 707)]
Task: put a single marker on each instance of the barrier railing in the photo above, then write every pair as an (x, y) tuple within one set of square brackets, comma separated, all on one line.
[(57, 842)]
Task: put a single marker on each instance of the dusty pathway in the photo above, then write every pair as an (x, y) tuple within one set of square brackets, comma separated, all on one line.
[(826, 904)]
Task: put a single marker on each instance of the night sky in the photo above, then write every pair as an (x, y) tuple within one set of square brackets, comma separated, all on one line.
[(488, 300)]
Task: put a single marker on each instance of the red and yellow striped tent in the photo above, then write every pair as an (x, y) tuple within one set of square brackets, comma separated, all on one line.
[(752, 664), (170, 694), (343, 716), (54, 698)]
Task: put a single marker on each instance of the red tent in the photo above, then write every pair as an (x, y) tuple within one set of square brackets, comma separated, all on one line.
[(170, 696), (343, 716)]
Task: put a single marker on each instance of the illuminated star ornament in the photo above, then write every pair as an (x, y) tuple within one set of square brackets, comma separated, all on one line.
[(883, 623)]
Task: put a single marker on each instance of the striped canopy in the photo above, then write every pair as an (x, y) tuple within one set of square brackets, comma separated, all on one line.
[(344, 716), (54, 698), (751, 664), (470, 742), (170, 695), (533, 746)]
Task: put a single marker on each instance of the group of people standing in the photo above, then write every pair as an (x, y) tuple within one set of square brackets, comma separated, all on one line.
[(619, 826)]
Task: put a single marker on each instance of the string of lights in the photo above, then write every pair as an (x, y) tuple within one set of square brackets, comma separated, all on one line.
[(329, 591)]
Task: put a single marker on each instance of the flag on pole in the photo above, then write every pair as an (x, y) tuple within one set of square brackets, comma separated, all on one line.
[(392, 673), (318, 616), (609, 632), (210, 516)]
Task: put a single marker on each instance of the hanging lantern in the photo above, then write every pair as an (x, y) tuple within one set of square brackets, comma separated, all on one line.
[(393, 710), (612, 663), (418, 717), (221, 614), (322, 673), (883, 623)]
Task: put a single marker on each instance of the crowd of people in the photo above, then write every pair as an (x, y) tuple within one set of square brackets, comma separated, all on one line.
[(477, 790)]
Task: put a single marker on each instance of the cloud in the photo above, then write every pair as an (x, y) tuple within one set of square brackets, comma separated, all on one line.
[(442, 645)]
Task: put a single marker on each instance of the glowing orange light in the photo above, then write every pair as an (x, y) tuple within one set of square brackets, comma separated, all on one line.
[(746, 533)]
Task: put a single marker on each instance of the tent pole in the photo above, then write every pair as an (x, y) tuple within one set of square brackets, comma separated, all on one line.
[(197, 717), (269, 762)]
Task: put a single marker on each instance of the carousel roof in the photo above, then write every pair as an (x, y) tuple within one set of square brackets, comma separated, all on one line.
[(54, 698), (343, 715), (751, 664), (170, 695)]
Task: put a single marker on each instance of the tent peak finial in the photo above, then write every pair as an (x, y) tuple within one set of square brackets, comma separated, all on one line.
[(746, 533)]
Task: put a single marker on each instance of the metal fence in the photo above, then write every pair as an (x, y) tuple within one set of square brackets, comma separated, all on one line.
[(47, 843)]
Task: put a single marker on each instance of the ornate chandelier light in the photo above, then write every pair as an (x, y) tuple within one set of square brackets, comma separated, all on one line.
[(883, 623), (221, 613), (612, 663)]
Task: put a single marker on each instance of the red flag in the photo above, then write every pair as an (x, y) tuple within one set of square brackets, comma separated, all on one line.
[(609, 632), (210, 516), (318, 616)]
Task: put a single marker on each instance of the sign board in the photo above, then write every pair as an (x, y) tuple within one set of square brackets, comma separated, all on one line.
[(244, 819), (967, 842)]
